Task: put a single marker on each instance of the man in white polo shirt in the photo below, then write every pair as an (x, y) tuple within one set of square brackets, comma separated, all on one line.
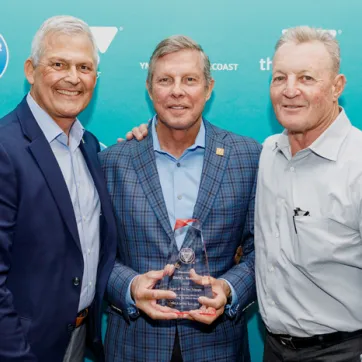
[(308, 209)]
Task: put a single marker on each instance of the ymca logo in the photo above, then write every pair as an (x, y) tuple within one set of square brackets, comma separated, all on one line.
[(4, 55), (214, 66), (104, 36)]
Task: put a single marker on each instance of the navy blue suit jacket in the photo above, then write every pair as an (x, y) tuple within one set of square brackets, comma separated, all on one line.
[(225, 208), (40, 251)]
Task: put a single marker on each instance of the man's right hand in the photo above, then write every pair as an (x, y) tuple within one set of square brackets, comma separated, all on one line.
[(139, 133), (145, 296)]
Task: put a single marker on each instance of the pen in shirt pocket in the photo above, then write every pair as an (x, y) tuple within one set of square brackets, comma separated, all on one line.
[(299, 212)]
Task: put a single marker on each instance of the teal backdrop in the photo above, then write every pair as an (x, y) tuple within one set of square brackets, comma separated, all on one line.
[(238, 36)]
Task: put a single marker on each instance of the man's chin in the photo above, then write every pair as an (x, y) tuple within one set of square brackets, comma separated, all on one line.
[(179, 125), (292, 125), (70, 112)]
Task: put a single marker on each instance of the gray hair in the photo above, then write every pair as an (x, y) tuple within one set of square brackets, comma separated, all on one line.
[(64, 24), (305, 34), (173, 44)]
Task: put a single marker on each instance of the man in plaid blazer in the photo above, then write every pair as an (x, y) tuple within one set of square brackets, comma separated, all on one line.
[(186, 168)]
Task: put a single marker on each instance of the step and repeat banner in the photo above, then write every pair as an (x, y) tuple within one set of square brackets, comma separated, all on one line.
[(239, 37)]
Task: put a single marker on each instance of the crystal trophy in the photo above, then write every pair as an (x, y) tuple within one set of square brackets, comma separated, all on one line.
[(191, 258)]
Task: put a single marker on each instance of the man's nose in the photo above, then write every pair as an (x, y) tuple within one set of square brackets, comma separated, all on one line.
[(178, 89), (291, 89), (72, 75)]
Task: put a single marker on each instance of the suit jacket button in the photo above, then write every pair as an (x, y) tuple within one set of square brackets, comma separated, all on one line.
[(76, 281), (71, 327)]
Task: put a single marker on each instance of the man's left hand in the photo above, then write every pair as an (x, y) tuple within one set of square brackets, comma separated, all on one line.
[(215, 306), (139, 133)]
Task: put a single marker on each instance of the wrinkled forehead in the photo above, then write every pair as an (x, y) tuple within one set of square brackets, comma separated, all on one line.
[(178, 60), (298, 57), (67, 45)]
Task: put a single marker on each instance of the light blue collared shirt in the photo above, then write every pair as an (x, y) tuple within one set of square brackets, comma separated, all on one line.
[(180, 181), (180, 178), (82, 191)]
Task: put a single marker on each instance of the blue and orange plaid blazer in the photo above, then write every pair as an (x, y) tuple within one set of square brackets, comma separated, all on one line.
[(225, 207)]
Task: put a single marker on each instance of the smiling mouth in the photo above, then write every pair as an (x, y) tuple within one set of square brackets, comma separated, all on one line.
[(68, 93), (292, 107), (178, 107)]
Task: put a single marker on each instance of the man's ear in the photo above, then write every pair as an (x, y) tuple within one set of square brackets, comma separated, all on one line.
[(149, 90), (29, 71), (338, 86), (96, 80), (209, 89)]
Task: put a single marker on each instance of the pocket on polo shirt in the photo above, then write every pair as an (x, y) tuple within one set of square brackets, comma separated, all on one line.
[(322, 247)]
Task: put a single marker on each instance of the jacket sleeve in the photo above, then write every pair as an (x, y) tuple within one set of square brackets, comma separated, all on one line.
[(242, 275), (13, 343), (117, 289)]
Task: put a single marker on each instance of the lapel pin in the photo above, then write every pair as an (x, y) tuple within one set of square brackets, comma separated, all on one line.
[(83, 140), (220, 151)]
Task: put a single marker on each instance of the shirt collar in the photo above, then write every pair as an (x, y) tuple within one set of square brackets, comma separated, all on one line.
[(330, 141), (199, 141), (328, 144), (50, 129)]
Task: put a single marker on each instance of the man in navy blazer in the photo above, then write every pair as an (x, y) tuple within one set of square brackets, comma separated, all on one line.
[(186, 168), (57, 231)]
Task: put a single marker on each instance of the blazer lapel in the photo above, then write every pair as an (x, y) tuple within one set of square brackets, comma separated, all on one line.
[(43, 155), (91, 158), (216, 158), (144, 163), (48, 164)]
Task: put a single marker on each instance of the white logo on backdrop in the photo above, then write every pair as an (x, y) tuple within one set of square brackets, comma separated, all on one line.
[(333, 32), (4, 55), (214, 66), (104, 36)]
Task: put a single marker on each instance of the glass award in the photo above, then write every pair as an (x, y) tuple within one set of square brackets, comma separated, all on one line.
[(187, 260)]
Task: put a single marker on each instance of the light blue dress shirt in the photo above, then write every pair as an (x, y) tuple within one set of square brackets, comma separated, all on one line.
[(82, 191), (180, 178), (180, 181)]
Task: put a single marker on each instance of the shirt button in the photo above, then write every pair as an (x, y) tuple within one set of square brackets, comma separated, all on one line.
[(76, 281), (271, 269), (272, 302), (89, 251), (178, 164), (277, 234), (179, 197), (90, 284), (84, 219), (292, 169)]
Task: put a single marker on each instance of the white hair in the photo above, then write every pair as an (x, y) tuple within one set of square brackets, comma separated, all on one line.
[(63, 24), (306, 34)]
